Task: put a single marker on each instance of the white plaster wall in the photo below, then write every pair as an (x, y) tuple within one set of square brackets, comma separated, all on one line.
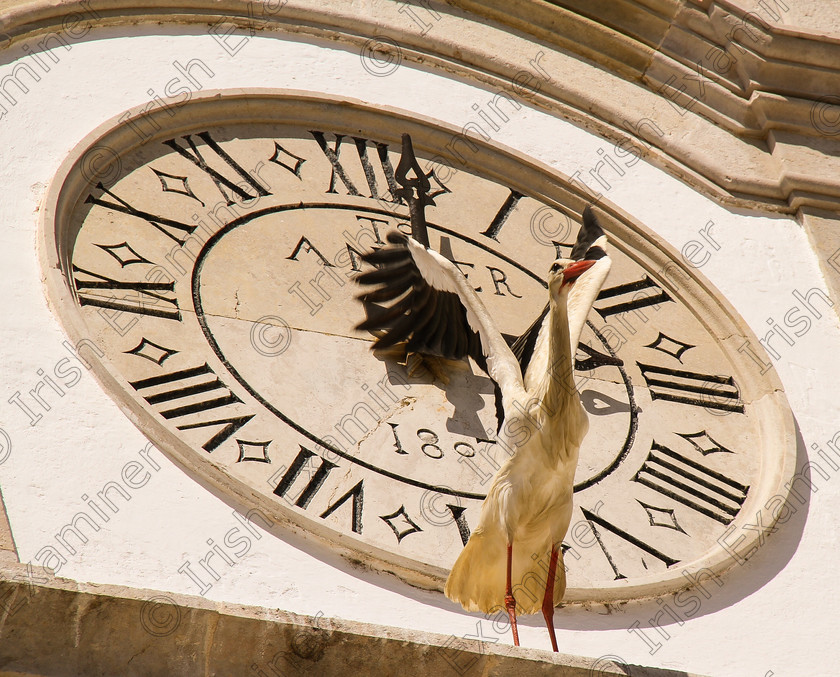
[(774, 614)]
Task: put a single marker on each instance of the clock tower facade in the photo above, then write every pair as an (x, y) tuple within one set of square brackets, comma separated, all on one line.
[(194, 423)]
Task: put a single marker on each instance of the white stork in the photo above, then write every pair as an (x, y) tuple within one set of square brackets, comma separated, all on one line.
[(529, 502)]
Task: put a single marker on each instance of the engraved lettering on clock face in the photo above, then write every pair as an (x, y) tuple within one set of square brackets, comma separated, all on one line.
[(216, 272)]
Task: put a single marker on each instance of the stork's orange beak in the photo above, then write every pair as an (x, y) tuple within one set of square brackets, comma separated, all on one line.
[(576, 269)]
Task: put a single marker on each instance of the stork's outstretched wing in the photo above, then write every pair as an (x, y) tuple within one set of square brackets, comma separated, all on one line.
[(433, 307), (531, 348)]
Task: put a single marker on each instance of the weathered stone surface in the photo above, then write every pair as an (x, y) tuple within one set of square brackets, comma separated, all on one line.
[(61, 627)]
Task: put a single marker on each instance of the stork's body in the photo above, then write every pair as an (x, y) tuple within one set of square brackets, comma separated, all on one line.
[(515, 548), (514, 553)]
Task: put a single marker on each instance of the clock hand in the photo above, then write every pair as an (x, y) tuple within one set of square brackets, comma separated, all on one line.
[(415, 190), (415, 187)]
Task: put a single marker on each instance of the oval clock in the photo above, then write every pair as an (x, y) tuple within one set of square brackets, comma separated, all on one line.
[(208, 252)]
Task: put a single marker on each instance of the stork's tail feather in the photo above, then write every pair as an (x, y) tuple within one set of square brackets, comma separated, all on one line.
[(477, 580)]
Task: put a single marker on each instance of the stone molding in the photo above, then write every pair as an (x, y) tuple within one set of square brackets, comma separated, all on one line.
[(55, 626), (770, 115), (763, 83), (633, 71), (773, 74)]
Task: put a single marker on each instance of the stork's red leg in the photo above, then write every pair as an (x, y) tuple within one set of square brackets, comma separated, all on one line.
[(510, 602), (548, 600)]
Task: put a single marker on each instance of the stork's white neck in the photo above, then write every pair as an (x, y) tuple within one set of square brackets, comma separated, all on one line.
[(558, 385), (585, 290)]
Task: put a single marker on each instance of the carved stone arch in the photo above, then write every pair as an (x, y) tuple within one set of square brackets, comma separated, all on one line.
[(671, 78)]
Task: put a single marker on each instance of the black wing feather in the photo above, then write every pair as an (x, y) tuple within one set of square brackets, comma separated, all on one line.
[(398, 331), (590, 231), (383, 317), (427, 322), (433, 321), (384, 294), (387, 255), (391, 275)]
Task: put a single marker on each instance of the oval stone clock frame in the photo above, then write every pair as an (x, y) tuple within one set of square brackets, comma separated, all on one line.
[(206, 250)]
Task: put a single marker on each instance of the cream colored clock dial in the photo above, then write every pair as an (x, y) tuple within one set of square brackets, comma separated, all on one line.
[(211, 260)]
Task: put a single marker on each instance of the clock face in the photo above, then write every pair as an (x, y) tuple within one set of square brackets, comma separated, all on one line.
[(208, 258)]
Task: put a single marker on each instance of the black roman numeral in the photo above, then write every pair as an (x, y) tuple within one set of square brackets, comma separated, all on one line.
[(339, 172), (357, 494), (184, 384), (594, 520), (231, 425), (594, 359), (717, 392), (634, 297), (194, 156), (460, 521), (502, 215), (169, 227), (315, 481), (151, 299), (692, 484)]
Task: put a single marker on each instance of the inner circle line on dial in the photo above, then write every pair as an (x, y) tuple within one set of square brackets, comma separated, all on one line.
[(208, 335)]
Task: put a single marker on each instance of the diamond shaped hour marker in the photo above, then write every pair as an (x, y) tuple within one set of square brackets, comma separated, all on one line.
[(183, 189), (123, 253), (670, 346), (704, 444), (666, 516), (278, 149), (253, 451), (151, 351), (405, 519)]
